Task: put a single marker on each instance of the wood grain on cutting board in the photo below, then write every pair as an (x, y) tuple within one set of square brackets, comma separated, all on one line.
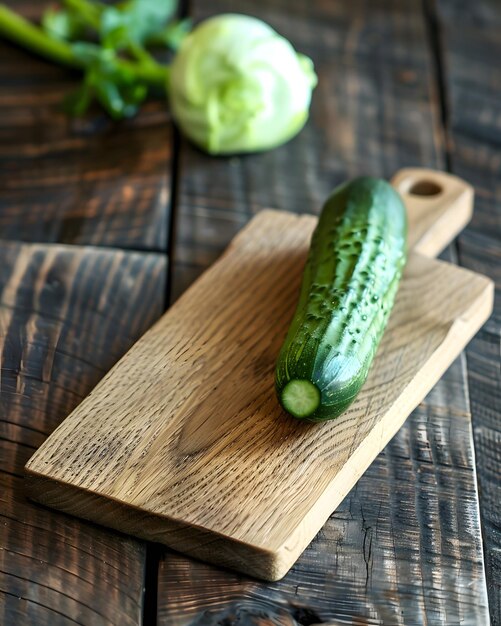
[(184, 442)]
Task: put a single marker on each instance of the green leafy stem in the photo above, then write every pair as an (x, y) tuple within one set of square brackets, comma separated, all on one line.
[(108, 43), (23, 32)]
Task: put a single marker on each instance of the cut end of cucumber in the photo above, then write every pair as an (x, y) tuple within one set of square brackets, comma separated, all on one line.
[(300, 398)]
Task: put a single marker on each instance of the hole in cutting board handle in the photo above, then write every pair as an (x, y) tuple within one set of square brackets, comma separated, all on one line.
[(426, 188)]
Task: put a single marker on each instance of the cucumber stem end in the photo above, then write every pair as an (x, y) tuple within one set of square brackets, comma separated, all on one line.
[(300, 398)]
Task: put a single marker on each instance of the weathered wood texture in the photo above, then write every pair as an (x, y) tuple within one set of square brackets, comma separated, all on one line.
[(86, 181), (472, 49), (373, 112), (66, 315)]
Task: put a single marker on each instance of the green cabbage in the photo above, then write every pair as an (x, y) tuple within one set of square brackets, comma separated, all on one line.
[(238, 86)]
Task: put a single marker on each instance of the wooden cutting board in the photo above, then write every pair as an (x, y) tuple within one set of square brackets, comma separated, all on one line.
[(184, 443)]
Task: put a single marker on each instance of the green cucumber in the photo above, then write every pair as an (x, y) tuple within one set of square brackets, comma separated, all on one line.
[(351, 277)]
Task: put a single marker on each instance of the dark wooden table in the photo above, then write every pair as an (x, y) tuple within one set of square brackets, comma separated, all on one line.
[(102, 226)]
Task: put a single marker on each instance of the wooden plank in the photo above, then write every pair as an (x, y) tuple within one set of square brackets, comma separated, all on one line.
[(472, 48), (473, 84), (66, 315), (375, 110), (85, 181), (207, 461)]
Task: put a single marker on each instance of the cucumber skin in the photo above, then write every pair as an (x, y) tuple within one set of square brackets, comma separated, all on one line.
[(351, 277)]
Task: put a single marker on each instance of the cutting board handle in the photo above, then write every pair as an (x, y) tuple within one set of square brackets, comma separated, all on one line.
[(439, 206)]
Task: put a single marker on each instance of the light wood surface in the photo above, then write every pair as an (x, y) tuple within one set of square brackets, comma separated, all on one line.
[(183, 442), (402, 549), (439, 206)]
